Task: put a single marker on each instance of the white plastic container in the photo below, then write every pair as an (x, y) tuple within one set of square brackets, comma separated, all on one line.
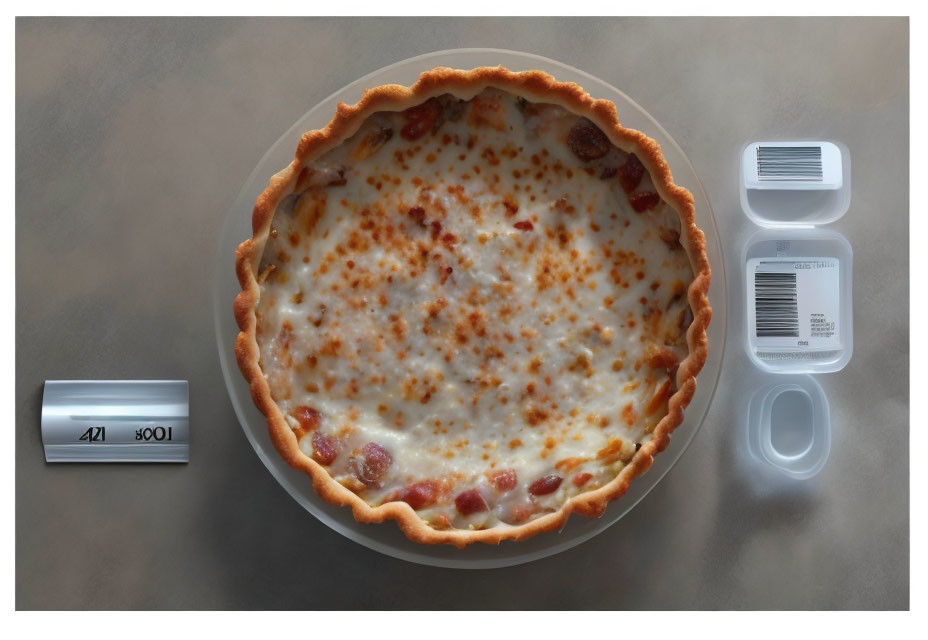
[(797, 298), (797, 288)]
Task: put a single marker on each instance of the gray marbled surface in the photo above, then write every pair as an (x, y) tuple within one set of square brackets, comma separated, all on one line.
[(133, 137)]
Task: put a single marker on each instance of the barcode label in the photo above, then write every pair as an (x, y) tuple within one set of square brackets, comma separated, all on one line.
[(776, 306), (789, 164), (793, 305)]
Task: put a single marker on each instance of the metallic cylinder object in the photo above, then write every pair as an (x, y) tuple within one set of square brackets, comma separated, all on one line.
[(116, 421)]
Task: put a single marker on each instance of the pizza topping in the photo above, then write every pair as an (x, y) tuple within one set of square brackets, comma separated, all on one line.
[(504, 480), (611, 451), (662, 357), (372, 464), (545, 485), (441, 521), (540, 118), (419, 495), (671, 237), (470, 501), (659, 400), (420, 119), (521, 512), (325, 448), (581, 479), (488, 111), (643, 200), (267, 270), (324, 175), (309, 418), (587, 142), (524, 225), (372, 142), (567, 464), (631, 173), (452, 108), (686, 318)]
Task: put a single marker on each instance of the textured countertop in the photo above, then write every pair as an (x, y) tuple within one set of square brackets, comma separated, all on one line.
[(133, 137)]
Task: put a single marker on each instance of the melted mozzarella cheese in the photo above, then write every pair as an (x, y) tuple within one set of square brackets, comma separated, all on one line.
[(474, 300)]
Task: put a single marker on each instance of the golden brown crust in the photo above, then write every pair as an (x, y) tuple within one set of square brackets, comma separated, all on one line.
[(532, 85)]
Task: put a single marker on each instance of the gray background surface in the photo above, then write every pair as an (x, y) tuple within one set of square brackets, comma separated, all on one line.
[(133, 137)]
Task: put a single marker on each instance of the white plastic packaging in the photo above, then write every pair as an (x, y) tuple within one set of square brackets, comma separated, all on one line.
[(797, 298)]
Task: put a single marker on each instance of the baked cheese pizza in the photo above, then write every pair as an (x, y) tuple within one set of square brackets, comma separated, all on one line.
[(474, 305)]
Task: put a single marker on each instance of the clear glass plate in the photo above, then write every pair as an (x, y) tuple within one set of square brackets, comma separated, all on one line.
[(386, 537)]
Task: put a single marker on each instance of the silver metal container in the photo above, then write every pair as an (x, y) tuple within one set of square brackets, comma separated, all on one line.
[(116, 421)]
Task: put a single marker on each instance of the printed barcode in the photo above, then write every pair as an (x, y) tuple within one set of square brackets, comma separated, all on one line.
[(779, 164), (776, 305)]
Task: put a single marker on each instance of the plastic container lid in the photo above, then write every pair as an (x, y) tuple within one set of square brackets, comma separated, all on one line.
[(788, 184)]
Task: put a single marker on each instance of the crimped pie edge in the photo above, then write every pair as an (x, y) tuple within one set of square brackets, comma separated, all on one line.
[(536, 86)]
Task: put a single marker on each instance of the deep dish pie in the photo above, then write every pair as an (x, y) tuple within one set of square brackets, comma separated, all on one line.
[(474, 305)]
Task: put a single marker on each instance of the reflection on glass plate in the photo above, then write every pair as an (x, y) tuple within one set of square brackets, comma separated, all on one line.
[(387, 538)]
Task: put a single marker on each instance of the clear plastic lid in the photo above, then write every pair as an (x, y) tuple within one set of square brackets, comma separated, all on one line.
[(788, 184), (797, 300)]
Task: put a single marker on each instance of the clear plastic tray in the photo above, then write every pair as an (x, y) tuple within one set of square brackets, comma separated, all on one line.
[(387, 538), (789, 425)]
